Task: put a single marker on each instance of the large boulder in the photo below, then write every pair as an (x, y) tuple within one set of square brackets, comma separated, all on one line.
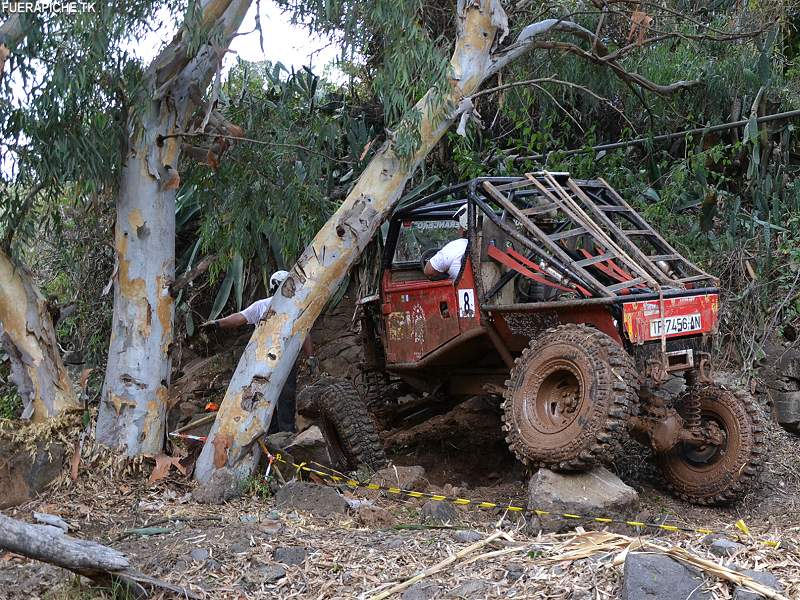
[(310, 446), (319, 500), (596, 493), (659, 577), (762, 577), (23, 475), (407, 478)]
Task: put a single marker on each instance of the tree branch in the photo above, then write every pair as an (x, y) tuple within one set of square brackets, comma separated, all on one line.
[(618, 69), (527, 40), (188, 277), (551, 79), (527, 37)]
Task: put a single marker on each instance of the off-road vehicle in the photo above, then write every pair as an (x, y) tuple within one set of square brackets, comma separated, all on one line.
[(576, 312)]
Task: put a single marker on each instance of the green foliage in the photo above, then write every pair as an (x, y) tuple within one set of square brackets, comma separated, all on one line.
[(65, 91), (396, 49)]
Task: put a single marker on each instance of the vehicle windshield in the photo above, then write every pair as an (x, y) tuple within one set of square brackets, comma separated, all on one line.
[(418, 236)]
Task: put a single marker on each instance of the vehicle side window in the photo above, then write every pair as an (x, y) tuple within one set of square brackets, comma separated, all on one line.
[(418, 236)]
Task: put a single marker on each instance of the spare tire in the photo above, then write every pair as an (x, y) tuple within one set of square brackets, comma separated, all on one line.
[(348, 427)]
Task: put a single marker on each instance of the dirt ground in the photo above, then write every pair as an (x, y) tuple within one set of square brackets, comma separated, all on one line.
[(227, 551)]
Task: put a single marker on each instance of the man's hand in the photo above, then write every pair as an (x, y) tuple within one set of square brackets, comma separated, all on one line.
[(209, 326)]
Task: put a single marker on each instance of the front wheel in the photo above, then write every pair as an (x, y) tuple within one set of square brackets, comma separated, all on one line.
[(348, 427), (717, 474)]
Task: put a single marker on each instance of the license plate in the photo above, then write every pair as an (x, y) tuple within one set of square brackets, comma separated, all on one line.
[(675, 325)]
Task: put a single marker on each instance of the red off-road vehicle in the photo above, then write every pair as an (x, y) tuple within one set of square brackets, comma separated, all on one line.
[(575, 311)]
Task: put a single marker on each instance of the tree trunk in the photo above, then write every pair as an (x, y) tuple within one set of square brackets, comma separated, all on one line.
[(11, 32), (90, 559), (249, 402), (28, 337), (133, 406)]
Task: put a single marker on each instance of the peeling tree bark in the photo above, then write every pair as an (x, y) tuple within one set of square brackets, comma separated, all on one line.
[(133, 406), (230, 454), (28, 337), (11, 32)]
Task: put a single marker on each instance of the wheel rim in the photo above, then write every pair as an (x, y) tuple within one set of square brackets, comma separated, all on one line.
[(554, 397), (709, 454), (695, 465)]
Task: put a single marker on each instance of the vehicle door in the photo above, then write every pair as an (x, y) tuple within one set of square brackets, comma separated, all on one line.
[(419, 315)]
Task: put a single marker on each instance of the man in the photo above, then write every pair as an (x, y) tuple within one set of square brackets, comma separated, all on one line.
[(251, 316), (448, 260)]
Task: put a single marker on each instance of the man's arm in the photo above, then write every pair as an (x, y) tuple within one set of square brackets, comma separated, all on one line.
[(232, 322), (430, 271)]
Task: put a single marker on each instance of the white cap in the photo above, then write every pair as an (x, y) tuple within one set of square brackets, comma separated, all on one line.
[(461, 217), (276, 280)]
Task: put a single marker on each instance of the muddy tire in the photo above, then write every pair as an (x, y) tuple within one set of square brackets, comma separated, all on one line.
[(348, 427), (718, 475), (568, 399)]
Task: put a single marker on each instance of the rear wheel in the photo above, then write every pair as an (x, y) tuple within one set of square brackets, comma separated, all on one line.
[(348, 427), (568, 398), (717, 474)]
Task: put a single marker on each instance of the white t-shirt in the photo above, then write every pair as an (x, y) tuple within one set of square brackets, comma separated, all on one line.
[(256, 310), (448, 259)]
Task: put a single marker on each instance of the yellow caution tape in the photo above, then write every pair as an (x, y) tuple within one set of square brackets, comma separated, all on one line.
[(329, 473)]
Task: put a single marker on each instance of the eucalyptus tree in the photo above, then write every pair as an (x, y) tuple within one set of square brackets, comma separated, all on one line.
[(133, 403), (481, 27), (62, 80)]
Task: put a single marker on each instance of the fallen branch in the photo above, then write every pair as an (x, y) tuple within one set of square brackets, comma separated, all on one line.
[(99, 563)]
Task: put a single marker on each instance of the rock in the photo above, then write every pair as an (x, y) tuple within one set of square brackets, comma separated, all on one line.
[(221, 487), (596, 493), (470, 589), (249, 518), (310, 446), (515, 572), (407, 478), (290, 555), (435, 511), (22, 476), (723, 547), (271, 573), (239, 547), (394, 543), (212, 565), (270, 527), (278, 442), (658, 577), (468, 536), (319, 500), (375, 517), (199, 554), (763, 577), (425, 590), (356, 503)]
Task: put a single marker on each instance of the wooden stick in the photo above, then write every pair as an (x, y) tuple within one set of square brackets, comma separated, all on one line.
[(438, 566), (84, 557), (201, 421)]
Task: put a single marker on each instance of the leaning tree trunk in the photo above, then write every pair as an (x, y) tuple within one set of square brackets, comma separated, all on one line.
[(28, 337), (230, 454), (133, 406)]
